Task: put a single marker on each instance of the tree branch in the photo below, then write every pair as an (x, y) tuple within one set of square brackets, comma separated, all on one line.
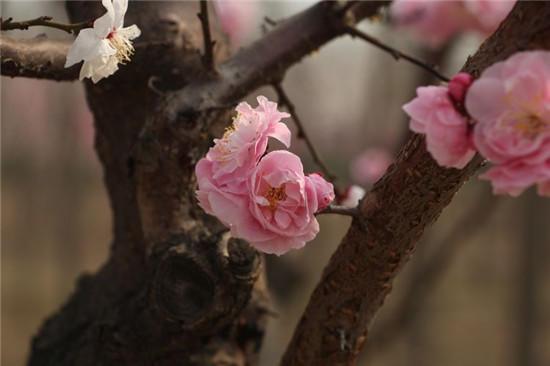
[(284, 100), (36, 58), (438, 262), (409, 197), (44, 21), (340, 210), (396, 54), (208, 56), (265, 61)]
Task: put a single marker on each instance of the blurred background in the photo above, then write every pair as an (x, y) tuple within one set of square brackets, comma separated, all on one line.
[(476, 292)]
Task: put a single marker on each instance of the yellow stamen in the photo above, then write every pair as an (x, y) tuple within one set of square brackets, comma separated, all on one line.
[(531, 126), (275, 195), (123, 46)]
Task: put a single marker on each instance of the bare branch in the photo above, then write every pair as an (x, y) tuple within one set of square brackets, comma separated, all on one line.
[(44, 21), (340, 210), (208, 56), (409, 197), (36, 58), (354, 32), (265, 61), (285, 101)]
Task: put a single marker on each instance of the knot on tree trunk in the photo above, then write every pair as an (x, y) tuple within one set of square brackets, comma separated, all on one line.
[(202, 286)]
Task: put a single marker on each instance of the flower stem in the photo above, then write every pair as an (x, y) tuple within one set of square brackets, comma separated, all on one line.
[(340, 210), (354, 32), (44, 21)]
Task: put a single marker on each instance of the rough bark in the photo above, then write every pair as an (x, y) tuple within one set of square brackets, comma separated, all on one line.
[(409, 197), (174, 290), (36, 58)]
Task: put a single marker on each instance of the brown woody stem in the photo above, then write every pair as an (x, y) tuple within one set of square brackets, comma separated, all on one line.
[(44, 21), (208, 56)]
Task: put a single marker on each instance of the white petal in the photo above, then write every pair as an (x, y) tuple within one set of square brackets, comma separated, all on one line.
[(99, 68), (85, 70), (83, 46), (106, 69), (104, 48), (105, 24), (120, 7), (130, 32)]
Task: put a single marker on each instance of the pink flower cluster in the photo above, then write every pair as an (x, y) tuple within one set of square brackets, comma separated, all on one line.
[(435, 22), (434, 113), (511, 106), (504, 115), (265, 199)]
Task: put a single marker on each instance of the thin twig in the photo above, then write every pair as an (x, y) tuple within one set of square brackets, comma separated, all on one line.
[(354, 32), (208, 57), (270, 21), (340, 210), (285, 101), (44, 21)]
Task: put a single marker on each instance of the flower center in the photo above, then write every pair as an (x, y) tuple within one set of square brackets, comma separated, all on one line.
[(275, 195), (531, 126), (123, 46)]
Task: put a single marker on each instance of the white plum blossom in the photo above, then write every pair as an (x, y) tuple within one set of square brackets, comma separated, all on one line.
[(353, 195), (105, 45)]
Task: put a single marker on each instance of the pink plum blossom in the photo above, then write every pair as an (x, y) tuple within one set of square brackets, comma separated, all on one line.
[(264, 199), (434, 114), (277, 213), (228, 163), (282, 204), (435, 22), (370, 165), (510, 103)]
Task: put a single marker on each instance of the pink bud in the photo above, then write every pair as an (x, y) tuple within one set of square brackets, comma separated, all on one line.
[(458, 86)]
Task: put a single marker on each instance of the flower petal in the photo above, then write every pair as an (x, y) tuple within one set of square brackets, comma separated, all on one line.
[(120, 7), (105, 24), (83, 46), (281, 132), (130, 32)]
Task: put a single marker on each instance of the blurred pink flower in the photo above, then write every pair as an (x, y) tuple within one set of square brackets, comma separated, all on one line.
[(435, 22), (433, 114), (488, 14), (370, 165), (352, 196), (510, 103), (236, 17)]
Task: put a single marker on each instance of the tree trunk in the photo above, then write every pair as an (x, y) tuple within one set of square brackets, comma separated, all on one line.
[(168, 294)]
